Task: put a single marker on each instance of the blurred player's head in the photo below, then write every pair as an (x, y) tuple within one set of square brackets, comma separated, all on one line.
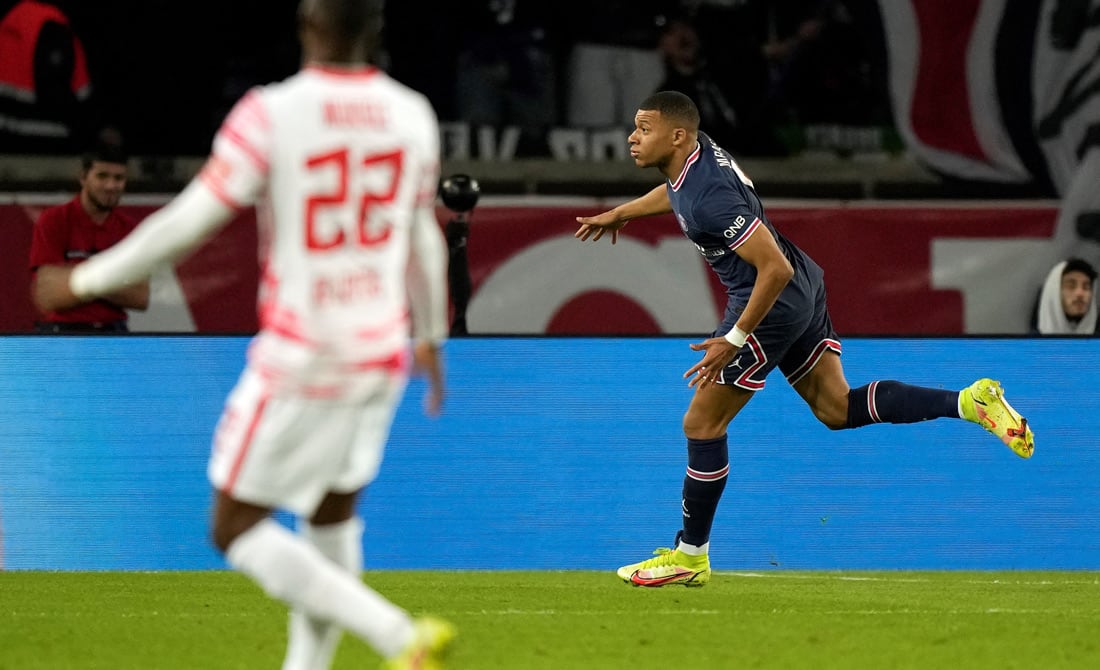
[(102, 178), (665, 127), (340, 31), (1077, 280)]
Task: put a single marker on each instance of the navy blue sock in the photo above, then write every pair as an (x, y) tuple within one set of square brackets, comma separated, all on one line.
[(708, 466), (894, 402)]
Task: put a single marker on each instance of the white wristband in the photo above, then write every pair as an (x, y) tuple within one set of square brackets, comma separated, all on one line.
[(736, 337)]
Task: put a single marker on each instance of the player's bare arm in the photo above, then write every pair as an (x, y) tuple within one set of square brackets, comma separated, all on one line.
[(773, 272), (652, 203)]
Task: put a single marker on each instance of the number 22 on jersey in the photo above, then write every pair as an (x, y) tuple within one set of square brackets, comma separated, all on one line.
[(348, 188)]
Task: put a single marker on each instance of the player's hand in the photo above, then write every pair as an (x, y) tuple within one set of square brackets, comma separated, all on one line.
[(427, 360), (596, 226), (51, 288), (719, 353)]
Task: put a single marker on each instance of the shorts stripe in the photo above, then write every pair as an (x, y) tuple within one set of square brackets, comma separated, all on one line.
[(242, 450), (804, 369), (761, 358), (708, 476)]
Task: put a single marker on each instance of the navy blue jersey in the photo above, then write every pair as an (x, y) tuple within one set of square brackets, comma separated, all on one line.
[(718, 210)]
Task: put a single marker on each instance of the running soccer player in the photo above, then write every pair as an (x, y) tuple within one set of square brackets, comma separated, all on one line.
[(775, 317), (343, 165)]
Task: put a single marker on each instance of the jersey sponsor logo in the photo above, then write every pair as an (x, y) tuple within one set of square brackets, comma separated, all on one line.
[(346, 289), (732, 231)]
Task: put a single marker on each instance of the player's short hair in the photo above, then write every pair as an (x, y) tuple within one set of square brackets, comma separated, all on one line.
[(348, 20), (673, 105), (1079, 265), (104, 152)]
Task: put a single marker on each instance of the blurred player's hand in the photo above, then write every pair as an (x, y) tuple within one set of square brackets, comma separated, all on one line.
[(719, 353), (596, 226), (428, 362), (51, 288)]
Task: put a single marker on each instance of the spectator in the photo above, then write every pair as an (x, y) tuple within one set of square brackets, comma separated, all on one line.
[(614, 60), (1066, 304), (506, 74), (686, 71), (46, 103), (71, 233)]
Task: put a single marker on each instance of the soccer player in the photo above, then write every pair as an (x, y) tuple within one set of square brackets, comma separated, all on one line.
[(343, 165), (775, 317)]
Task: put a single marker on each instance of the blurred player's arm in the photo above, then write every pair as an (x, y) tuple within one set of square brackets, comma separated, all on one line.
[(131, 297), (164, 237), (652, 203), (427, 287)]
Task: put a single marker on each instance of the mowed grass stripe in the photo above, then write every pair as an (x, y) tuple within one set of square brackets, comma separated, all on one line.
[(576, 619)]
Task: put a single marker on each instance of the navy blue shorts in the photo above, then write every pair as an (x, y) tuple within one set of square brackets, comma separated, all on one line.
[(795, 347)]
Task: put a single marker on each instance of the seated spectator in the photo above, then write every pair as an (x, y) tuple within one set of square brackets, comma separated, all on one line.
[(1067, 305), (687, 71), (75, 231), (614, 61), (506, 70)]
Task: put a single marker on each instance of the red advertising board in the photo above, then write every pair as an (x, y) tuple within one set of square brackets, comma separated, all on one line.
[(912, 268)]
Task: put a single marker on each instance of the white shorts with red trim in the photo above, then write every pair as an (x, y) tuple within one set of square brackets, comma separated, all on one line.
[(288, 450)]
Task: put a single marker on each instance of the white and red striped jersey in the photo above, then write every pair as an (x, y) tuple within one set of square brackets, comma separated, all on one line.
[(342, 166)]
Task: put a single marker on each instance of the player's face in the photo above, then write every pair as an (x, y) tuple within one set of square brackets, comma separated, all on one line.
[(1076, 294), (103, 184), (651, 143)]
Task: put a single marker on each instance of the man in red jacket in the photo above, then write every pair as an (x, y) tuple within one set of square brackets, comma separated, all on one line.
[(75, 231)]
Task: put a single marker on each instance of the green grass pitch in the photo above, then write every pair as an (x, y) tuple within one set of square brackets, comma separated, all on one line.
[(573, 619)]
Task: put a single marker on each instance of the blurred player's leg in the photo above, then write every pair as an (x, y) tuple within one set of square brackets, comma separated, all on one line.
[(292, 570), (311, 643), (431, 641)]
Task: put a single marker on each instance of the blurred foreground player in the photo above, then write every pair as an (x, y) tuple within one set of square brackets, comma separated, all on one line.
[(775, 316), (343, 165)]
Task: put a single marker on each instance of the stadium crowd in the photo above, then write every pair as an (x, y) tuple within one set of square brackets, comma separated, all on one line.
[(161, 76)]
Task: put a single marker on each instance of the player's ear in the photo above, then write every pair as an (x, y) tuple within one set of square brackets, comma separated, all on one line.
[(678, 135)]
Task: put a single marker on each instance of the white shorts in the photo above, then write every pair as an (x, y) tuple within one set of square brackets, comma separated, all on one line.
[(287, 451)]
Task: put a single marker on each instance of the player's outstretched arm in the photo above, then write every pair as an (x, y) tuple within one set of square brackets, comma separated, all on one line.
[(652, 203), (163, 237)]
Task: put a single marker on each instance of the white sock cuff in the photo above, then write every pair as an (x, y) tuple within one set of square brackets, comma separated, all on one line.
[(332, 532), (253, 541), (692, 550)]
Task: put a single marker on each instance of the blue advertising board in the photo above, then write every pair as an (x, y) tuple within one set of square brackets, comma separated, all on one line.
[(564, 454)]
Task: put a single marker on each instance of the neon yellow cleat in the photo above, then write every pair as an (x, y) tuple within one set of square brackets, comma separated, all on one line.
[(983, 403), (432, 638), (668, 567)]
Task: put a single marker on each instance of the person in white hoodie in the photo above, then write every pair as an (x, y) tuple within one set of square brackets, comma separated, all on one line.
[(1067, 303)]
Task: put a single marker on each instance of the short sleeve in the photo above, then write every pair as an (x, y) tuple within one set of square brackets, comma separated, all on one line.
[(723, 213)]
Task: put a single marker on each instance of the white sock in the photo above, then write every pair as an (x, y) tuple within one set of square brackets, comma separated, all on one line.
[(290, 569), (692, 550), (311, 642)]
